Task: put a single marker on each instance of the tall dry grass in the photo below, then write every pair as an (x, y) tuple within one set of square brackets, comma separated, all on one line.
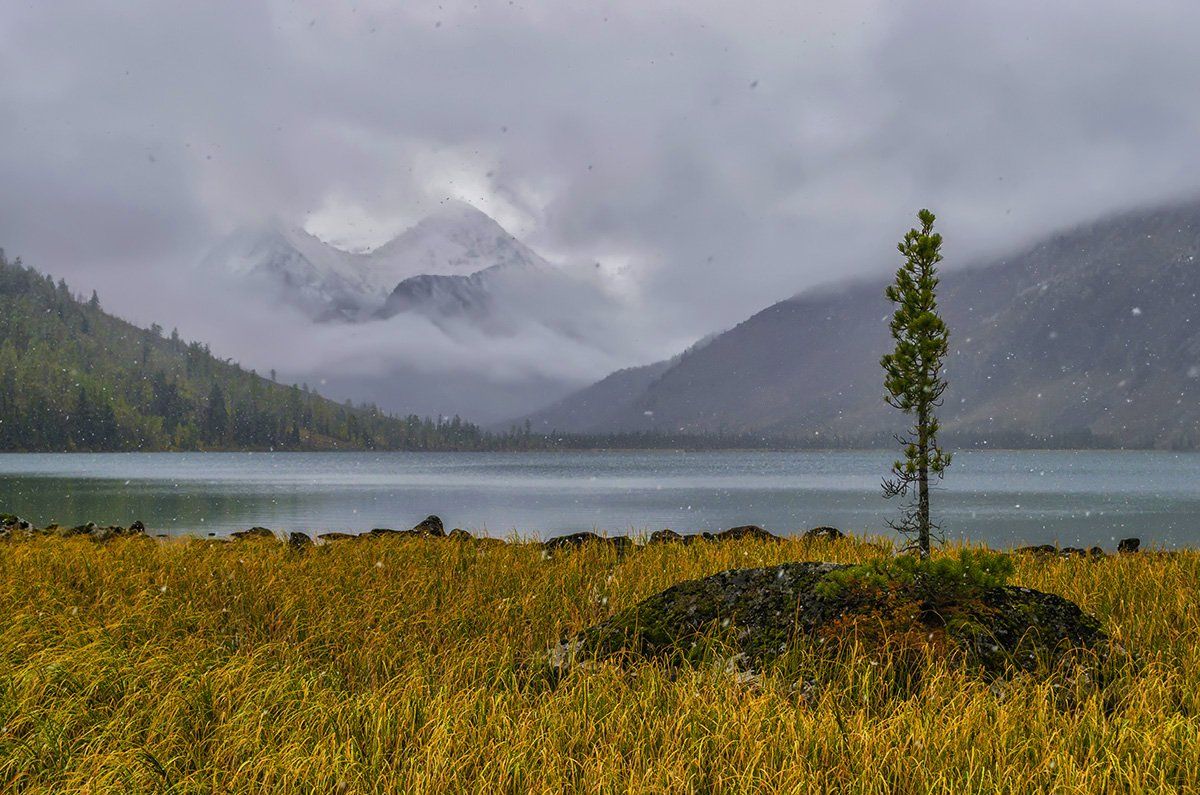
[(397, 665)]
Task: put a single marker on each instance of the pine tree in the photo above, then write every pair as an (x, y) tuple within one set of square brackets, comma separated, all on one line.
[(913, 378)]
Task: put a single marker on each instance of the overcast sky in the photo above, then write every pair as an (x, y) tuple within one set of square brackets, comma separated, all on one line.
[(713, 157)]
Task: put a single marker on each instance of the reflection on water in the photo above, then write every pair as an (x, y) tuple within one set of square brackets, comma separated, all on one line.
[(1078, 498)]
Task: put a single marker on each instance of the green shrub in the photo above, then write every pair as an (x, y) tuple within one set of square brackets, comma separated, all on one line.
[(936, 580)]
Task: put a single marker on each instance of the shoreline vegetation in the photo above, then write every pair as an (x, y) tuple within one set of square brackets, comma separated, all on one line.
[(423, 661)]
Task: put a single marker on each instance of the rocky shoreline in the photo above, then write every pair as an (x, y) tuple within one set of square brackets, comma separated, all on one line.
[(13, 527)]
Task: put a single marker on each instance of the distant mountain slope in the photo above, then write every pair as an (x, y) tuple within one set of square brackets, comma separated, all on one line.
[(601, 406), (1089, 337), (73, 377), (440, 297)]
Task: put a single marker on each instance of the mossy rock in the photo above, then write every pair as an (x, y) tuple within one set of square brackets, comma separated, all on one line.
[(757, 615)]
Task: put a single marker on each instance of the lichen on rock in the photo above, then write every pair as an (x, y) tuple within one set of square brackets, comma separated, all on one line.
[(757, 615)]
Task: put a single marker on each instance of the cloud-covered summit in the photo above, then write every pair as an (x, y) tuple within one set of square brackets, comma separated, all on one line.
[(455, 299)]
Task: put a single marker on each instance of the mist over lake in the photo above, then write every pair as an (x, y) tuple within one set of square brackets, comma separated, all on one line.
[(1002, 498)]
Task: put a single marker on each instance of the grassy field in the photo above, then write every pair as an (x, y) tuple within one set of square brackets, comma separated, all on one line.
[(397, 665)]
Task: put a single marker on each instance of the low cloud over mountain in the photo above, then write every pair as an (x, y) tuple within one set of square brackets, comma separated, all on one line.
[(459, 315), (1090, 336)]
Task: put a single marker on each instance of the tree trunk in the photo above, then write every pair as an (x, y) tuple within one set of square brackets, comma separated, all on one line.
[(923, 480)]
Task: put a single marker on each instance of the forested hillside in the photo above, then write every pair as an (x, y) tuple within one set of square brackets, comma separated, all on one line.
[(73, 377)]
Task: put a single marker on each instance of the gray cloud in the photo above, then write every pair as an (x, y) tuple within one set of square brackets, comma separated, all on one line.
[(712, 157)]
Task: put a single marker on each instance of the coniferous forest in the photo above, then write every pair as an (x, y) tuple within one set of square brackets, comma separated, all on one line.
[(73, 377)]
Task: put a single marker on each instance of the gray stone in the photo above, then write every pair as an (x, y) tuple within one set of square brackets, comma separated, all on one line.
[(430, 526), (744, 532), (823, 533)]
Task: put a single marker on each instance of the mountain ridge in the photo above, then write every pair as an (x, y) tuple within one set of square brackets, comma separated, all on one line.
[(1089, 335)]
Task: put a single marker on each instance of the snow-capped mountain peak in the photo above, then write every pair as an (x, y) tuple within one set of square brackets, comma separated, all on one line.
[(454, 314), (295, 266), (327, 282), (456, 240)]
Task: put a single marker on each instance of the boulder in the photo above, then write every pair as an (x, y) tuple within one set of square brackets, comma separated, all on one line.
[(622, 544), (137, 528), (759, 613), (458, 534), (823, 533), (1127, 546), (746, 531), (576, 540), (77, 530), (331, 537), (102, 534), (254, 533), (571, 541), (1051, 551), (14, 522), (430, 526), (667, 536), (12, 526), (299, 542)]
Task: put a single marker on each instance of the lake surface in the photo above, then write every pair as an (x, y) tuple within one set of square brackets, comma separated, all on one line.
[(1075, 498)]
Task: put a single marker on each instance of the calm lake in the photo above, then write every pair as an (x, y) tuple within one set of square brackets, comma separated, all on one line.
[(1076, 498)]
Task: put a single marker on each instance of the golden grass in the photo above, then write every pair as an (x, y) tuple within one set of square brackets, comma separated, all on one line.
[(395, 665)]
